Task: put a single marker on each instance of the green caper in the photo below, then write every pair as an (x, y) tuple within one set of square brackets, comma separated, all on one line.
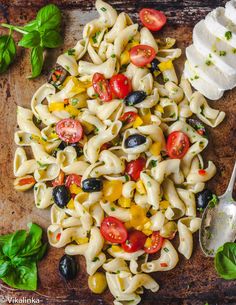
[(97, 282), (169, 229)]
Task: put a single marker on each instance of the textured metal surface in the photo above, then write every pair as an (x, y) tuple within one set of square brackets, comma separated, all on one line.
[(192, 282)]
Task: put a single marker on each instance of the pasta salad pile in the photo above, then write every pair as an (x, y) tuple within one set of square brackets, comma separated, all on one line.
[(115, 155)]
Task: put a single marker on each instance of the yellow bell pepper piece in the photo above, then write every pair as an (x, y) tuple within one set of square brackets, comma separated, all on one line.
[(165, 65), (82, 240), (124, 58), (56, 106), (148, 243), (75, 189), (138, 122), (79, 86), (140, 187), (159, 108), (70, 204), (116, 248), (164, 204), (124, 202), (138, 216), (147, 225), (146, 118), (155, 149), (87, 127), (112, 190), (147, 232), (72, 110), (132, 44)]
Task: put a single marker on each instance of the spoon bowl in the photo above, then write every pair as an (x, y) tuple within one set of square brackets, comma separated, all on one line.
[(219, 221)]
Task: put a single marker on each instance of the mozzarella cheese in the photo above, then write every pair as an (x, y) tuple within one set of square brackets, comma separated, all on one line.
[(207, 89), (207, 70), (217, 22)]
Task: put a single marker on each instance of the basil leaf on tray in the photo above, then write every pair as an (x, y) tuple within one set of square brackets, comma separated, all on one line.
[(7, 52), (19, 254), (30, 40), (52, 39), (49, 17), (36, 61), (225, 261)]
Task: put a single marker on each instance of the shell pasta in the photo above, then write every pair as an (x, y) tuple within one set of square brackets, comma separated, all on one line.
[(117, 162)]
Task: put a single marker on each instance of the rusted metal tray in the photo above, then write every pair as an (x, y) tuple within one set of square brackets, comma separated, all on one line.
[(192, 282)]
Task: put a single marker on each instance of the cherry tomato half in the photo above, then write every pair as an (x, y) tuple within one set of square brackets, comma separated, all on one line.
[(156, 245), (120, 85), (59, 180), (102, 87), (128, 117), (113, 230), (177, 144), (135, 241), (152, 19), (134, 168), (141, 55), (69, 130), (73, 179)]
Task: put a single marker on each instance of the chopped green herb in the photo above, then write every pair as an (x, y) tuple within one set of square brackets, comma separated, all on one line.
[(42, 164), (210, 55), (166, 79), (208, 62), (118, 271), (103, 9), (113, 209), (149, 184), (95, 259), (126, 177), (166, 250), (234, 51), (213, 202), (196, 77), (222, 53), (95, 37), (153, 163), (71, 52), (228, 35), (74, 101), (113, 55), (67, 68)]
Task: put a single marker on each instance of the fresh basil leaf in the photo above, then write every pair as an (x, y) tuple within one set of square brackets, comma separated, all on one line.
[(41, 252), (7, 52), (30, 40), (4, 268), (52, 39), (49, 18), (33, 241), (5, 238), (225, 261), (15, 243), (36, 61), (22, 277), (31, 26)]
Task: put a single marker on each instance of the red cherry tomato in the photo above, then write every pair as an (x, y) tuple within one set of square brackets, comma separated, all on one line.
[(59, 180), (113, 230), (141, 55), (73, 179), (177, 144), (105, 146), (128, 117), (156, 245), (25, 181), (152, 19), (102, 87), (120, 85), (134, 168), (135, 241), (69, 130)]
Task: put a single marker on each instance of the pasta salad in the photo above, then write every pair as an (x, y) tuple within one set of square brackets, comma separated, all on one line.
[(116, 156)]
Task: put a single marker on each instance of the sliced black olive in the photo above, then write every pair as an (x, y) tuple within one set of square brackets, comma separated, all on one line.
[(198, 126), (90, 185), (79, 149), (134, 98), (203, 198), (61, 195), (68, 267), (154, 65), (134, 140), (57, 75)]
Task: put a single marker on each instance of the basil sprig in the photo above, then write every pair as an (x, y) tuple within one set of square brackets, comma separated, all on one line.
[(40, 33), (225, 261), (19, 254)]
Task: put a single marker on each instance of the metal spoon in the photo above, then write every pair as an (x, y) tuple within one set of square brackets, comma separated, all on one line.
[(219, 222)]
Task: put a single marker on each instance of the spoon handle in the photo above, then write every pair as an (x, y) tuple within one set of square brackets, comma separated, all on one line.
[(230, 187)]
